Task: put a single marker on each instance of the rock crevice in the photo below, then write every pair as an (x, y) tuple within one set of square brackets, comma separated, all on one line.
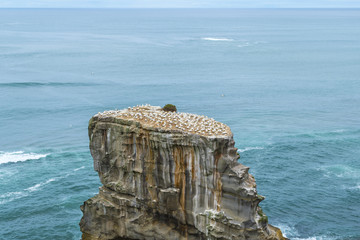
[(165, 183)]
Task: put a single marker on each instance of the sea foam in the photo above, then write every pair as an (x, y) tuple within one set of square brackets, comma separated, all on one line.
[(19, 156)]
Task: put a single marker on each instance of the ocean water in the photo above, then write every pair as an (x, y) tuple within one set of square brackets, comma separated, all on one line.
[(287, 82)]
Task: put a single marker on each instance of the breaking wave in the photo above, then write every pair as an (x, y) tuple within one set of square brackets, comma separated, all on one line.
[(19, 156)]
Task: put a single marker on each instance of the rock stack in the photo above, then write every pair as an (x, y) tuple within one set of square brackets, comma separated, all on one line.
[(169, 175)]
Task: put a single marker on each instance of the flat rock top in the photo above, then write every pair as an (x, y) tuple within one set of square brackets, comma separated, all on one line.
[(153, 116)]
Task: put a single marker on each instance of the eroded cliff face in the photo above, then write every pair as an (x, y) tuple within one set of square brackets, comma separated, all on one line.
[(163, 183)]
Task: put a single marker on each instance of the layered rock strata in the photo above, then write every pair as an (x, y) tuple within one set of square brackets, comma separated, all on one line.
[(163, 180)]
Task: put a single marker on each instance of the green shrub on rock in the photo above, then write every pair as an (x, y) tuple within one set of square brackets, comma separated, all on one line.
[(169, 108)]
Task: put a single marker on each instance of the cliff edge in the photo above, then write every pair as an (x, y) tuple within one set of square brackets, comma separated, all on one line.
[(169, 175)]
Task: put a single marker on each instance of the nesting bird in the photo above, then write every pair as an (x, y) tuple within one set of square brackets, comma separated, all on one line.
[(156, 117)]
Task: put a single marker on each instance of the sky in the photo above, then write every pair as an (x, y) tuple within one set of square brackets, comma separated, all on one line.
[(179, 3)]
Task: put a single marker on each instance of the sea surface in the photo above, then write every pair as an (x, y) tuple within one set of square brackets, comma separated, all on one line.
[(287, 82)]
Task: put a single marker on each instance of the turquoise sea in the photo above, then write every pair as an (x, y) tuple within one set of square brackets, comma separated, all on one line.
[(286, 81)]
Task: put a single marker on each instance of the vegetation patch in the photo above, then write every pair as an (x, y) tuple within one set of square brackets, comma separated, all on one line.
[(260, 197), (169, 108), (263, 217)]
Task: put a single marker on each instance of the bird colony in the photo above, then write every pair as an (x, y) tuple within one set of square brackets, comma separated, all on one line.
[(155, 117)]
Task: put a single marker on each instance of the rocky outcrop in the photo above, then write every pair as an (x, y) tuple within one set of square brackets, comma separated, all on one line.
[(169, 183)]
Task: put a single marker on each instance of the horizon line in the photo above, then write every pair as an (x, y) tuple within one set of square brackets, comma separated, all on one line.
[(349, 8)]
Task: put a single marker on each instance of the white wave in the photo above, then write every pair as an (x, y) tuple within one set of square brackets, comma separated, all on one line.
[(11, 196), (316, 238), (77, 169), (250, 43), (340, 171), (291, 233), (19, 156), (286, 230), (357, 187), (218, 39), (338, 131), (260, 42), (39, 185), (249, 148)]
